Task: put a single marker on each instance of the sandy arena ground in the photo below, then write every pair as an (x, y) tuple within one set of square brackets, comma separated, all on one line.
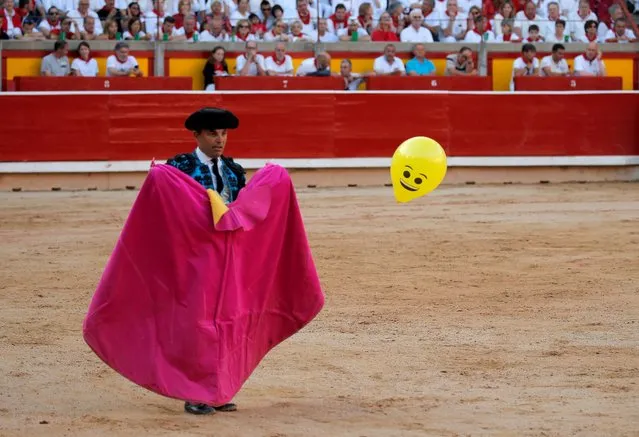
[(495, 310)]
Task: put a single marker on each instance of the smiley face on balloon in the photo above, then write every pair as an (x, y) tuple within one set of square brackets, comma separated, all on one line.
[(417, 168)]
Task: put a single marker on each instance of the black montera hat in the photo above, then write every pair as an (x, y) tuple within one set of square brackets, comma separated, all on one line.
[(211, 118)]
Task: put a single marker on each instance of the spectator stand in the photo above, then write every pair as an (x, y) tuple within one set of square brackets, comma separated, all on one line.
[(21, 58)]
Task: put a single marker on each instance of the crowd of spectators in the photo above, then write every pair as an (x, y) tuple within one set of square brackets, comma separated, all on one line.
[(414, 21)]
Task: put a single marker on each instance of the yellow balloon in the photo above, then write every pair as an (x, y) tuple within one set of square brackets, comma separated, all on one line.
[(417, 168)]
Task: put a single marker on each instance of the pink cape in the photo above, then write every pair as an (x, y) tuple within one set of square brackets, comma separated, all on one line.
[(188, 309)]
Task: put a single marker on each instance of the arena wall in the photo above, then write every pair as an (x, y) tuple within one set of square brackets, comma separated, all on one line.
[(107, 140)]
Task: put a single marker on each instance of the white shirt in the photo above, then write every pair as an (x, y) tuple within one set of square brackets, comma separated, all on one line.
[(85, 69), (240, 62), (518, 65), (281, 69), (576, 25), (113, 62), (327, 37), (409, 34), (79, 20), (381, 65), (182, 32), (205, 159), (474, 37), (127, 35), (559, 67), (513, 38), (547, 27), (459, 25), (237, 16), (206, 36), (307, 66), (522, 21), (594, 67), (612, 35)]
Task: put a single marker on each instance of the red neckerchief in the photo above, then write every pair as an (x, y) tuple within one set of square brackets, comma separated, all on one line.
[(237, 35), (339, 24), (305, 20), (361, 21), (155, 11), (594, 38), (480, 34), (533, 40), (88, 59), (256, 27), (218, 67), (278, 62), (122, 62), (189, 35), (507, 37)]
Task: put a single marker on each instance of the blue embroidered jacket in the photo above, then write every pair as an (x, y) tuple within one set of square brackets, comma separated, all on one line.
[(233, 175)]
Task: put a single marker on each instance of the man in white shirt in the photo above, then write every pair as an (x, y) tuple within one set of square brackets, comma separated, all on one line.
[(590, 63), (250, 63), (388, 64), (415, 32), (548, 26), (526, 18), (526, 65), (353, 32), (121, 64), (325, 35), (279, 64), (578, 20), (620, 34), (480, 33), (78, 15), (555, 64), (454, 22)]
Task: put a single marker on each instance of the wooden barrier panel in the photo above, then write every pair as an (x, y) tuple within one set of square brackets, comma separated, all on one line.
[(71, 83), (275, 83), (120, 127), (434, 83), (572, 83)]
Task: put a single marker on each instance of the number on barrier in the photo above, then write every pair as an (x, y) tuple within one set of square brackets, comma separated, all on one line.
[(285, 83), (107, 84), (573, 84), (433, 83)]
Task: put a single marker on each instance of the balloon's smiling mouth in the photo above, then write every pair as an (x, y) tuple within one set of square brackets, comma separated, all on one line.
[(407, 186)]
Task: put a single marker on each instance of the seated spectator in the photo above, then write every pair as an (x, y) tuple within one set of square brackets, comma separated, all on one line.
[(353, 32), (533, 35), (479, 32), (351, 80), (280, 64), (432, 18), (29, 33), (133, 11), (56, 63), (388, 64), (548, 27), (215, 66), (506, 12), (188, 31), (277, 33), (242, 32), (323, 33), (460, 64), (250, 63), (560, 34), (65, 31), (365, 17), (453, 24), (12, 23), (110, 32), (473, 13), (89, 32), (155, 19), (241, 13), (297, 34), (526, 65), (278, 14), (590, 34), (305, 15), (526, 18), (322, 66), (614, 13), (579, 20), (168, 32), (3, 34), (78, 15), (419, 65), (339, 20), (396, 11), (27, 9), (385, 30), (53, 22), (121, 63), (555, 64), (416, 32), (258, 29), (620, 34), (506, 34), (184, 10), (266, 15), (590, 63), (135, 31), (214, 30), (84, 65), (108, 13)]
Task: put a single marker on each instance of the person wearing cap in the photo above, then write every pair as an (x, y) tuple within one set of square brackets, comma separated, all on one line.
[(207, 164)]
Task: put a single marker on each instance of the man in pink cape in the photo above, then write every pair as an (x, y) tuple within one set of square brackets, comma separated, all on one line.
[(208, 275)]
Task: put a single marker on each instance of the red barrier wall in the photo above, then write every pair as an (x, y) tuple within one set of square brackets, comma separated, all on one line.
[(295, 125)]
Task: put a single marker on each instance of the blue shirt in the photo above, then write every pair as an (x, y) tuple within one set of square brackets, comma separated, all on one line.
[(421, 68)]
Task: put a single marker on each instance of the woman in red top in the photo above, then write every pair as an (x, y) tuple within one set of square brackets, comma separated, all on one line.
[(385, 30), (215, 66)]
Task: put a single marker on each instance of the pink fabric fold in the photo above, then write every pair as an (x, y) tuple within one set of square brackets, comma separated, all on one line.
[(188, 309)]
